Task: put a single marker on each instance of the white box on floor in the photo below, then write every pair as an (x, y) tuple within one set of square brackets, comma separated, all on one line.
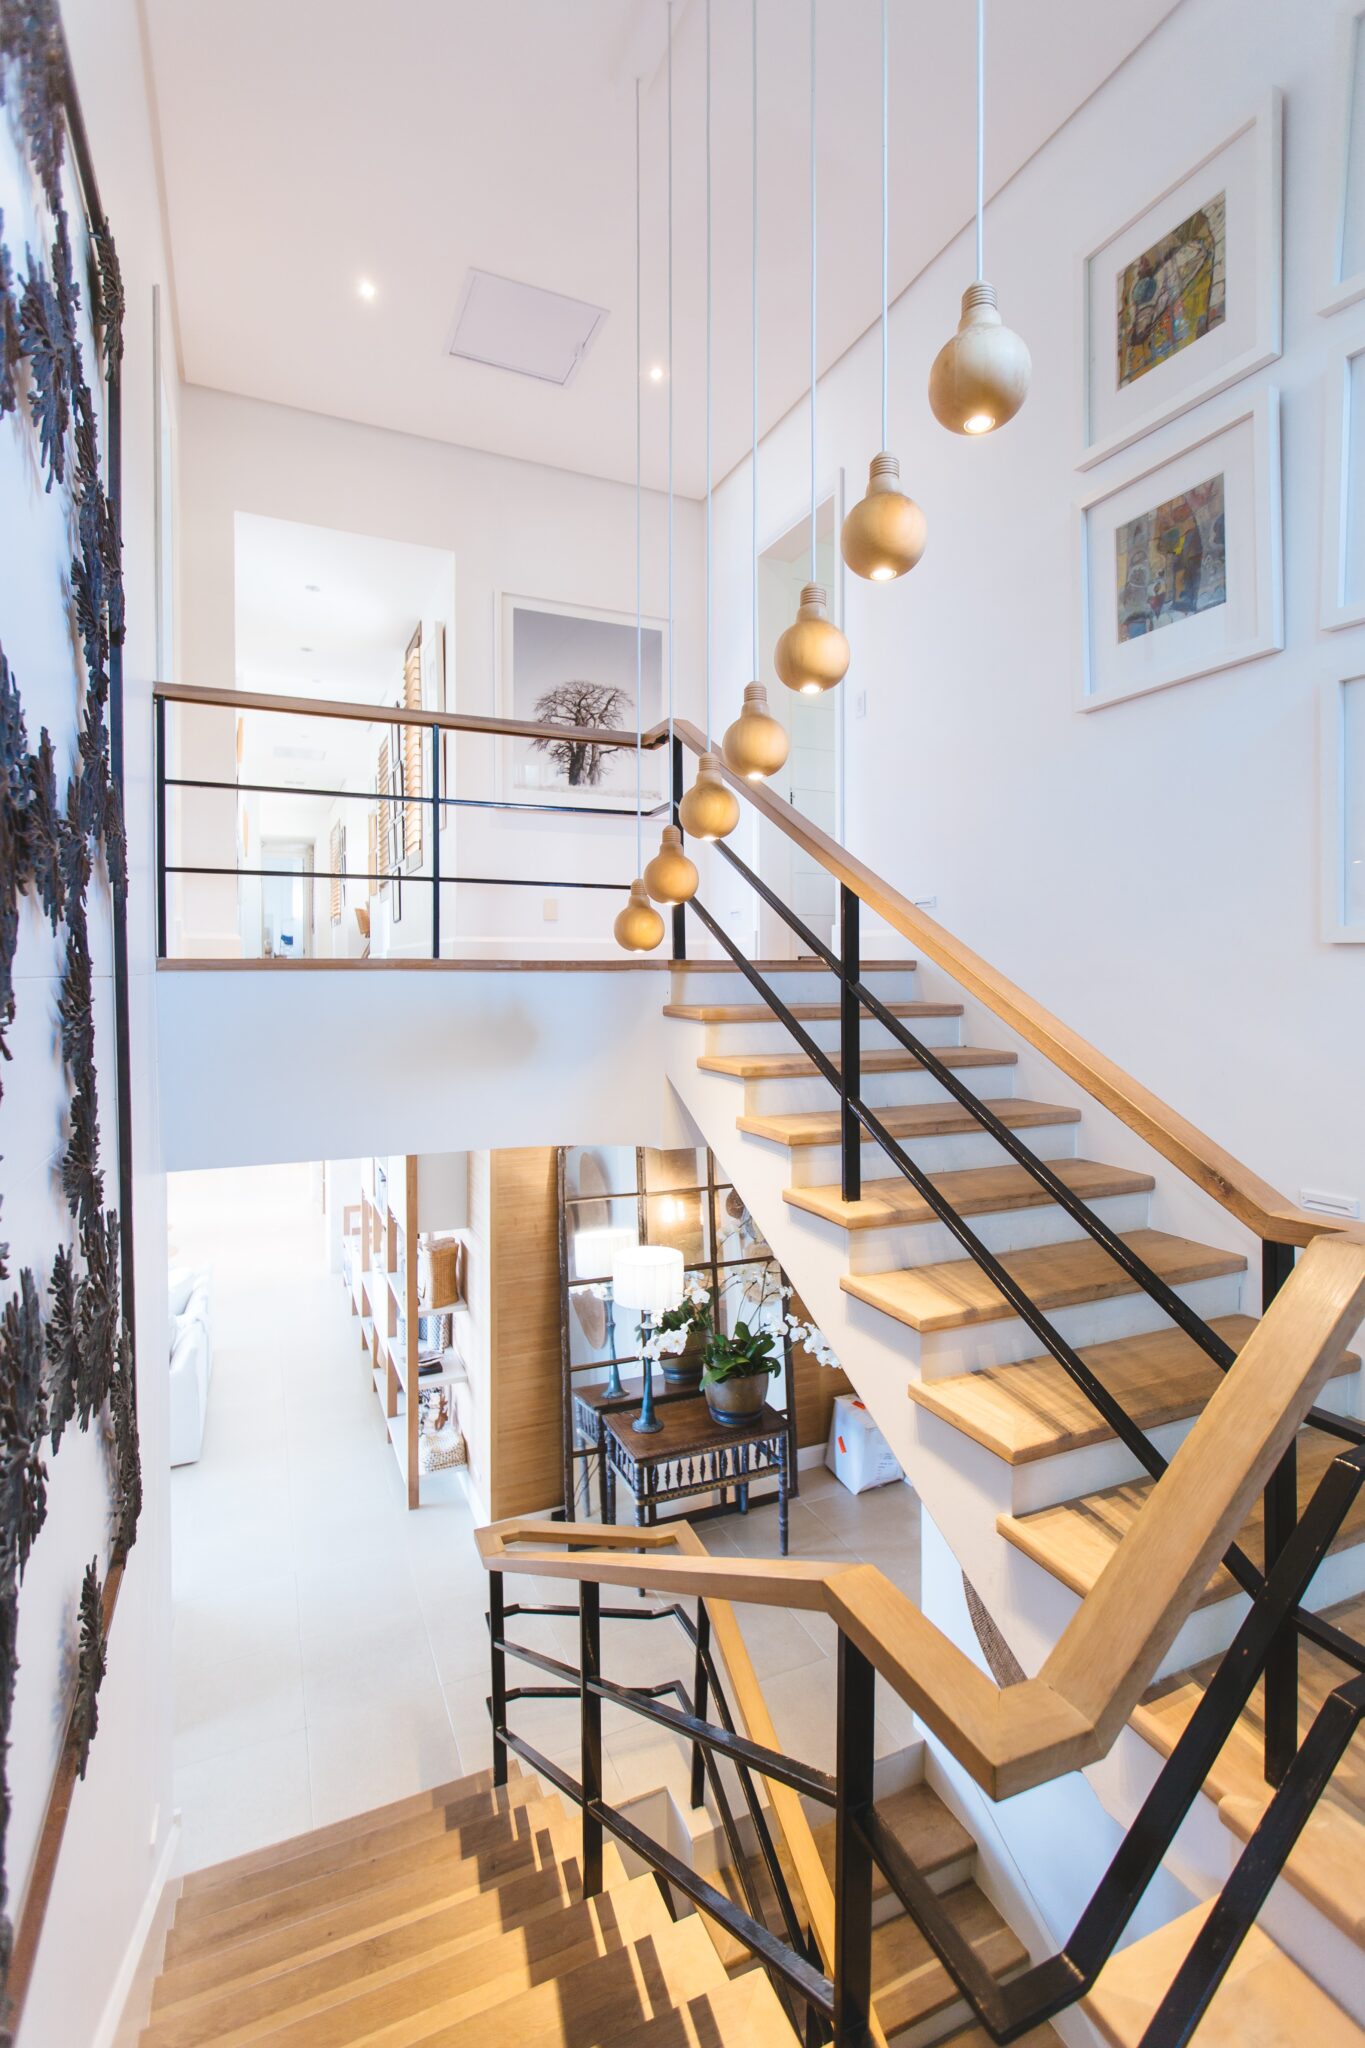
[(858, 1454)]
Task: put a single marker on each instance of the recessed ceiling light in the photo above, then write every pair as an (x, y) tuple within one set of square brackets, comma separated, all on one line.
[(367, 288), (656, 373), (305, 650), (314, 587)]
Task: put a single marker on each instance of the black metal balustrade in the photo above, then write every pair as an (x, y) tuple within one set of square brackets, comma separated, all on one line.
[(836, 2005)]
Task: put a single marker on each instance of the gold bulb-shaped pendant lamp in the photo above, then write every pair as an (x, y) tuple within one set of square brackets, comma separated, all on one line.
[(812, 655), (671, 877), (981, 377), (710, 809), (884, 534), (639, 927), (756, 745)]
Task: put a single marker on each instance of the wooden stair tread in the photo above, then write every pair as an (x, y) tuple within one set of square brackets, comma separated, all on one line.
[(956, 1293), (537, 1834), (795, 1066), (910, 1984), (427, 1906), (612, 1996), (1264, 2001), (519, 1783), (1327, 1862), (807, 964), (445, 1821), (905, 1120), (977, 2037), (407, 1998), (1075, 1539), (972, 1191), (805, 1013), (740, 2013)]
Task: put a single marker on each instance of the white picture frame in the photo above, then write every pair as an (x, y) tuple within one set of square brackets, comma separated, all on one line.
[(1245, 169), (1240, 449), (594, 639), (1343, 259), (1341, 753), (1343, 503)]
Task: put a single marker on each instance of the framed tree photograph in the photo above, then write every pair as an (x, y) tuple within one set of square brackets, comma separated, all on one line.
[(562, 664), (1342, 754), (1181, 561), (1343, 262), (1184, 299)]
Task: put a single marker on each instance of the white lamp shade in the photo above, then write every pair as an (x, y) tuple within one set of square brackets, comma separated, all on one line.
[(595, 1252), (648, 1278)]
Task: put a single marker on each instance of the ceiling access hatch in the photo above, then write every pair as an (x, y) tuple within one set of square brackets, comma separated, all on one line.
[(520, 327)]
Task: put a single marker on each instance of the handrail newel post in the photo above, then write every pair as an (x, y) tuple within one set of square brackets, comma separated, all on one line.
[(852, 1853), (160, 750), (1281, 1503), (497, 1701), (590, 1718), (435, 844), (850, 1044), (700, 1701), (675, 778)]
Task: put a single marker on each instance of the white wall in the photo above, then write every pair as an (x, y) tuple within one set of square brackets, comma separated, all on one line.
[(120, 1824), (513, 528), (1149, 870)]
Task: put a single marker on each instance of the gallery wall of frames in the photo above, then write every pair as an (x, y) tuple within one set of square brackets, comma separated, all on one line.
[(68, 1418)]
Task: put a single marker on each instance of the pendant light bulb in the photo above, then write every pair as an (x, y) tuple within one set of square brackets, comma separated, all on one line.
[(710, 809), (812, 655), (639, 927), (981, 377), (884, 534), (756, 745), (671, 877)]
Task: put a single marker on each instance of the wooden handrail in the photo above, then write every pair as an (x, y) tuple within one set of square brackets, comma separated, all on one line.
[(1253, 1201), (397, 714), (1018, 1736)]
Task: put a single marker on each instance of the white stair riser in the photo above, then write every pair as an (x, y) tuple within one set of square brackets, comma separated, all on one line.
[(701, 986), (774, 1036), (789, 1096), (1044, 1603), (1010, 1340), (817, 1166), (1005, 1230)]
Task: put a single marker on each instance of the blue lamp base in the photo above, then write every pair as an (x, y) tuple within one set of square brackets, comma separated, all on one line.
[(647, 1422)]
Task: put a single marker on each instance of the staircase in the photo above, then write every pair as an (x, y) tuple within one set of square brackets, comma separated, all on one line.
[(1030, 1488)]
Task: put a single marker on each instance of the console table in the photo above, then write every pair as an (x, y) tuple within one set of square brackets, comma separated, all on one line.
[(693, 1454)]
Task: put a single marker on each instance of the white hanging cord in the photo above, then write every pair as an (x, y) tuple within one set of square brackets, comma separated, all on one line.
[(670, 389), (639, 627), (814, 574), (886, 215), (708, 373), (980, 134), (753, 290)]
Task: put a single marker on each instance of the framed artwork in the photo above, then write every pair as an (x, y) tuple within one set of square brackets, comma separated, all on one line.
[(1181, 561), (1185, 298), (1342, 744), (1343, 504), (562, 664), (1344, 259)]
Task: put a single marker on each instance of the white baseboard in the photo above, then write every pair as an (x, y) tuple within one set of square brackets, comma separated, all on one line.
[(128, 2007)]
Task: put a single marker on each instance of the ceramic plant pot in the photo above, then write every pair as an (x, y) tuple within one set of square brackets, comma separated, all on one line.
[(739, 1400), (684, 1368)]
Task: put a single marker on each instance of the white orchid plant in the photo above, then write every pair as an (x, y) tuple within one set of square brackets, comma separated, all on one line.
[(751, 1347)]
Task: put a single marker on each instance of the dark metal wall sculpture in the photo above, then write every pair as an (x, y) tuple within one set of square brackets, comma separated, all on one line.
[(66, 1335)]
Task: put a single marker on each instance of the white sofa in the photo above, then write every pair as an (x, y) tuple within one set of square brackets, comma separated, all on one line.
[(191, 1362)]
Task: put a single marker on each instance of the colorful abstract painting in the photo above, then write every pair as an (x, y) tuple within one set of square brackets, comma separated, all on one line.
[(1172, 561), (1173, 292)]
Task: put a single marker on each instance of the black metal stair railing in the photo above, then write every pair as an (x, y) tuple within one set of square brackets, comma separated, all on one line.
[(857, 1120), (839, 2005)]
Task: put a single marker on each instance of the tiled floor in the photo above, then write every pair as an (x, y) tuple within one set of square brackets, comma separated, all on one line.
[(330, 1646)]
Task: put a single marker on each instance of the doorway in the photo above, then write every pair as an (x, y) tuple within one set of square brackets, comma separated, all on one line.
[(811, 779), (286, 899)]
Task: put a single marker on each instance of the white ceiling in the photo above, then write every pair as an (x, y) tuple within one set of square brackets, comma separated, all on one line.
[(312, 143)]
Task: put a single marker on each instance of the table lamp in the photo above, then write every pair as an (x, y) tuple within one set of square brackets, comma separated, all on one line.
[(649, 1279), (594, 1252)]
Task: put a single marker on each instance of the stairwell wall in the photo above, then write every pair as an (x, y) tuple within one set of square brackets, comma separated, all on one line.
[(1151, 870)]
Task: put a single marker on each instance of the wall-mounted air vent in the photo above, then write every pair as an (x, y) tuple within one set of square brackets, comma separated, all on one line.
[(519, 327)]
